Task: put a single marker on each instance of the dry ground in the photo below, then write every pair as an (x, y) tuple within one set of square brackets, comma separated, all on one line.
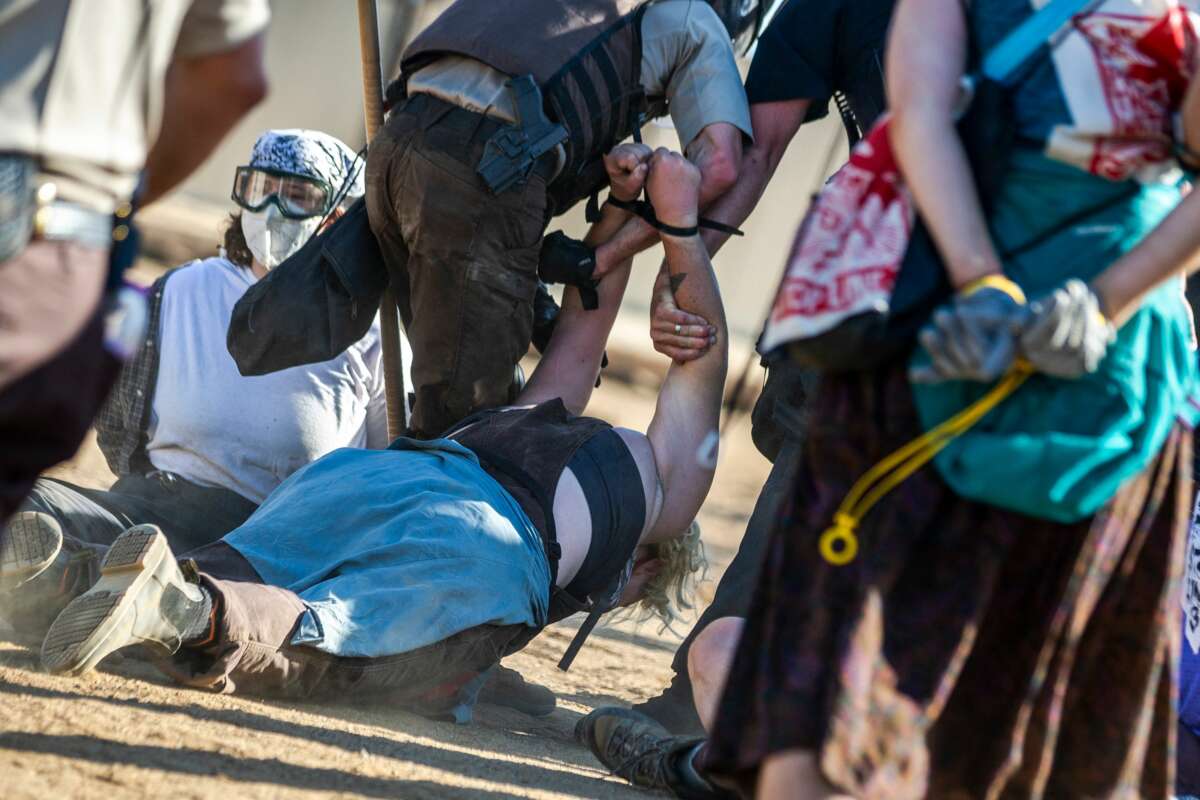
[(124, 732)]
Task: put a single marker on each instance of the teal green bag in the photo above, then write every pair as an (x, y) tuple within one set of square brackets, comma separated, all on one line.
[(1060, 449)]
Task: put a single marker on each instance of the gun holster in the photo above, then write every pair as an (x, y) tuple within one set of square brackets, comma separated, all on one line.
[(510, 155)]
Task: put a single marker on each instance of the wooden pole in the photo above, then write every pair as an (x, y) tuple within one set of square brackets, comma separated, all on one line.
[(389, 318)]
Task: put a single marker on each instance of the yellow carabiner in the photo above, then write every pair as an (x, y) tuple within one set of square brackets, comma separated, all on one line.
[(839, 544)]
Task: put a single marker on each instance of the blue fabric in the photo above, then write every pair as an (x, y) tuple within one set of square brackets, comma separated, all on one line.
[(1039, 105), (1003, 60), (1189, 686), (396, 549), (1059, 449)]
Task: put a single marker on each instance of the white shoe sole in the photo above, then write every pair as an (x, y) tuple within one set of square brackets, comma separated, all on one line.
[(28, 546), (103, 619)]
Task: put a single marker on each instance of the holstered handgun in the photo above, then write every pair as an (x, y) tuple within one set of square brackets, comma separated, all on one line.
[(509, 156)]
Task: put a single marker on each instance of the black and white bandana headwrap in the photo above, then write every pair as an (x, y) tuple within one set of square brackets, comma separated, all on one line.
[(310, 153)]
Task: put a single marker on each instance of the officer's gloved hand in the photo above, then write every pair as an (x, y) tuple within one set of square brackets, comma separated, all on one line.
[(545, 317), (975, 339), (569, 261), (1067, 334)]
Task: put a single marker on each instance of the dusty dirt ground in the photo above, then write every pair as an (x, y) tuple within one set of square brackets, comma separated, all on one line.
[(125, 732)]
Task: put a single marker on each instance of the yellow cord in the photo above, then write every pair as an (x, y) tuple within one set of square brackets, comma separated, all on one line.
[(839, 543)]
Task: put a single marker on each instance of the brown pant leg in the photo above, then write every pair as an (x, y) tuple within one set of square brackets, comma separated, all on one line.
[(471, 260), (45, 414), (386, 157), (252, 651), (48, 294)]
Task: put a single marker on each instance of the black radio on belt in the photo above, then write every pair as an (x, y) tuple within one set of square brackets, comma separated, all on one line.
[(126, 242), (510, 155)]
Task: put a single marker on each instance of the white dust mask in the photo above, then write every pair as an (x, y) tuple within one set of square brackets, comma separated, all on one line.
[(272, 237)]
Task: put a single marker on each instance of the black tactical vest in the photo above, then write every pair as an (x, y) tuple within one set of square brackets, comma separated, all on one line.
[(586, 56)]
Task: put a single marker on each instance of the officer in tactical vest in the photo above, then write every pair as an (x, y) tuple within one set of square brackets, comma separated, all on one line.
[(502, 117)]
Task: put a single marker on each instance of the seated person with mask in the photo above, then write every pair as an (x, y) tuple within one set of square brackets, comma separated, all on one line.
[(412, 570), (196, 446)]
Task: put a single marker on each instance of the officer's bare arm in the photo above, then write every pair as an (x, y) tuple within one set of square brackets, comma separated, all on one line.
[(205, 97), (717, 152), (775, 125)]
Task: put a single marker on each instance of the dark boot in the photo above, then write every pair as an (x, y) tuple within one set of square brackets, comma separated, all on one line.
[(674, 708), (644, 753)]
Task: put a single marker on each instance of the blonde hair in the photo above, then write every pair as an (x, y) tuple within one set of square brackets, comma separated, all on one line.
[(673, 589)]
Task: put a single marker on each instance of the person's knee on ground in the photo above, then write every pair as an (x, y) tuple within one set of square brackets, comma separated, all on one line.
[(709, 659)]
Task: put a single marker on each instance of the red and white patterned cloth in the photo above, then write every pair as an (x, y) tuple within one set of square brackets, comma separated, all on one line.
[(1122, 70)]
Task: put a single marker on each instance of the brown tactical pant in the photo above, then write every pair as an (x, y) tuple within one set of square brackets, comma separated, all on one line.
[(54, 369), (252, 650), (467, 257)]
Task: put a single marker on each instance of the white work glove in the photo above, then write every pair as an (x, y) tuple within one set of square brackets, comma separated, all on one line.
[(975, 339), (1067, 334)]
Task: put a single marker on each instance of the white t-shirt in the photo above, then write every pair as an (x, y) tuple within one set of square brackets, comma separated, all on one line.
[(215, 427)]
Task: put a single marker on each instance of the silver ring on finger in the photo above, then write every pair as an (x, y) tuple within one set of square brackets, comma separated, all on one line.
[(678, 328)]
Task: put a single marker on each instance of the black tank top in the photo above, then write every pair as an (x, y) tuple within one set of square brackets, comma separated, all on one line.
[(526, 450)]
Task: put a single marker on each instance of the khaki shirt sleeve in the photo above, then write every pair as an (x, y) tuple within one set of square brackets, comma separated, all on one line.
[(215, 26), (687, 56)]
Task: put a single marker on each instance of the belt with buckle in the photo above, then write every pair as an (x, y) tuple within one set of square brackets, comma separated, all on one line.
[(58, 220)]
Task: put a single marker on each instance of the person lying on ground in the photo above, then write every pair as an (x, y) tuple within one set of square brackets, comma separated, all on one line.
[(196, 446), (412, 570)]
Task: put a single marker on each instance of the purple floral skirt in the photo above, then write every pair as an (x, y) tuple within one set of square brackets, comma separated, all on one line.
[(967, 651)]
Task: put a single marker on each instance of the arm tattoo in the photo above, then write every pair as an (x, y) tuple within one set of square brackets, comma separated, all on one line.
[(676, 281)]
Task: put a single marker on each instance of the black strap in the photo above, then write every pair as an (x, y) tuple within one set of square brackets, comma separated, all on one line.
[(591, 212), (581, 636), (643, 209)]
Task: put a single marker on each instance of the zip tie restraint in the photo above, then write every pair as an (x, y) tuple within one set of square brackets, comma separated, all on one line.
[(839, 543)]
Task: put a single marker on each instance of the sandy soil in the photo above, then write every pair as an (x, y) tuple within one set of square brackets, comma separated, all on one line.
[(124, 732)]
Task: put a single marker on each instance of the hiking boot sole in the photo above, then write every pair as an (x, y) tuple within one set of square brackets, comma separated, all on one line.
[(102, 620), (28, 546)]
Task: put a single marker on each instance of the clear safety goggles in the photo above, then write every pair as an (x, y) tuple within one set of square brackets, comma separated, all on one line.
[(296, 196)]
